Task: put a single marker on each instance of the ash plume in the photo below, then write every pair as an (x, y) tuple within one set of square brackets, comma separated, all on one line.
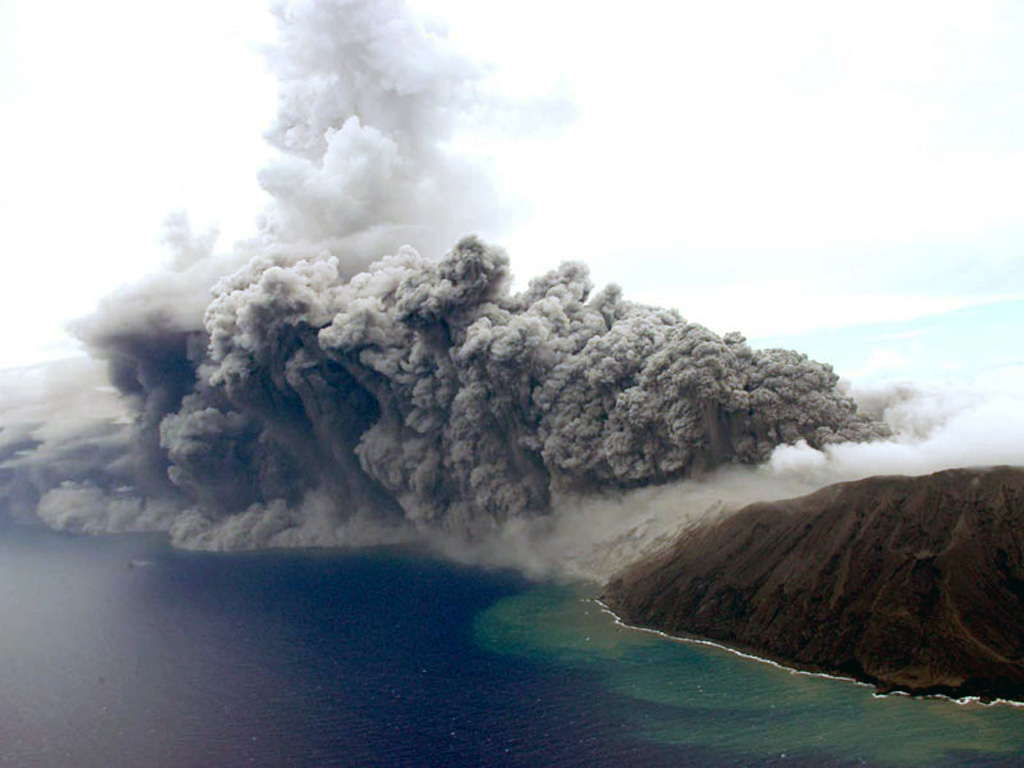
[(326, 383), (423, 394)]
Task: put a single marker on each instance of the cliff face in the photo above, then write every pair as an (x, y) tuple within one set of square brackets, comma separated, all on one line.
[(911, 583)]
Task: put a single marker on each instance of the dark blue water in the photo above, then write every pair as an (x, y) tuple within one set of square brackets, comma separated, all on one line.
[(120, 651)]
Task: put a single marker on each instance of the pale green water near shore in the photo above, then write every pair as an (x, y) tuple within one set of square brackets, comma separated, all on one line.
[(674, 692)]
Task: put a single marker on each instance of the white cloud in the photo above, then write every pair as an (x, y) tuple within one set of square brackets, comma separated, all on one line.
[(120, 113)]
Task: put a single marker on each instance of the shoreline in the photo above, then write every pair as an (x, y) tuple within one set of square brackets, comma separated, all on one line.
[(962, 701)]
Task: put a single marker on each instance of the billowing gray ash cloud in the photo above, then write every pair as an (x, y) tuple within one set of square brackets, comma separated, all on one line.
[(423, 392), (340, 386)]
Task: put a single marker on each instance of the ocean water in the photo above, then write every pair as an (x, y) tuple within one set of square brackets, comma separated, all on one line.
[(119, 651)]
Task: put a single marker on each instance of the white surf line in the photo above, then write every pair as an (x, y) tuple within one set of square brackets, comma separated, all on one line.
[(720, 646), (963, 701)]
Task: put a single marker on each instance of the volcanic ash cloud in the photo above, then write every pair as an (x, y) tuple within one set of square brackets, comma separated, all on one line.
[(332, 393), (424, 395)]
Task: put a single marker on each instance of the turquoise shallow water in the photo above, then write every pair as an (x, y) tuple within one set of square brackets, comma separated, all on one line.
[(673, 692)]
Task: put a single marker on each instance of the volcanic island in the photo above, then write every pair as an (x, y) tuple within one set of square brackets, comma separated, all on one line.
[(913, 584)]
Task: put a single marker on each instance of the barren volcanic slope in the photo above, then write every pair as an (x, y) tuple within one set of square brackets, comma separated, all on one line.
[(911, 583)]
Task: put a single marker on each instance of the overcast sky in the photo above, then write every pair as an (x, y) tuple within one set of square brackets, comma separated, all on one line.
[(844, 178)]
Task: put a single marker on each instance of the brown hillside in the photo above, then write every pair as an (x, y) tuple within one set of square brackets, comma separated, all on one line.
[(911, 583)]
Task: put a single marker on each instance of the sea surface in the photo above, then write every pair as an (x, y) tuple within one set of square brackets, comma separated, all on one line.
[(120, 651)]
